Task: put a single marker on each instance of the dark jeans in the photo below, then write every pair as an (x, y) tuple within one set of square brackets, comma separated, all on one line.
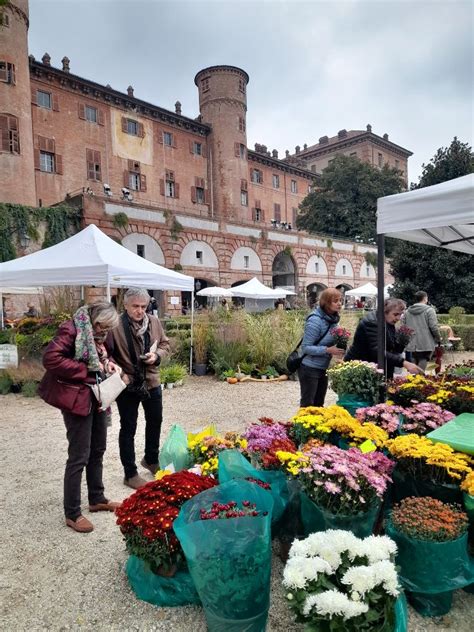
[(87, 439), (421, 358), (313, 386), (128, 404)]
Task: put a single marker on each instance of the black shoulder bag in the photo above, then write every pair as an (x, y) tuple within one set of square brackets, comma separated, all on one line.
[(138, 386), (294, 360)]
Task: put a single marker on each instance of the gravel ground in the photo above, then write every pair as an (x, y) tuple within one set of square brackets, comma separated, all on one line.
[(55, 579)]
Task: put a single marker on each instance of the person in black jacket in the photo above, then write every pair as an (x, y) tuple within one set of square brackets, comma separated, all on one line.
[(364, 346)]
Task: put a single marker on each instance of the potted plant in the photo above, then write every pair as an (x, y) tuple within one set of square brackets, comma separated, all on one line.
[(200, 346), (357, 383), (431, 537), (384, 416), (339, 583), (172, 374), (423, 418)]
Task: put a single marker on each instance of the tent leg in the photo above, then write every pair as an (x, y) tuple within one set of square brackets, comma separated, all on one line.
[(192, 327), (108, 291), (380, 303), (1, 312)]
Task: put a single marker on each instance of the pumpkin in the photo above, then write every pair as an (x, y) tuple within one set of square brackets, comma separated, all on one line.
[(232, 380)]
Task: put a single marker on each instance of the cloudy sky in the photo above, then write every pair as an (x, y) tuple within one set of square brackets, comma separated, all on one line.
[(405, 66)]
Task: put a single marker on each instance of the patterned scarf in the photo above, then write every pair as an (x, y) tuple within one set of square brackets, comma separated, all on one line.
[(85, 345)]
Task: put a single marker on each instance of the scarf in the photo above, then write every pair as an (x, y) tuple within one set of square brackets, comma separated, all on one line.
[(85, 345)]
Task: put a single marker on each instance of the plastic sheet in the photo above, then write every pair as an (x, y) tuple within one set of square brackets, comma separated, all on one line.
[(175, 450), (160, 591), (431, 605), (432, 567), (405, 485), (457, 433), (401, 614), (229, 559), (233, 465), (468, 501), (352, 402), (316, 518)]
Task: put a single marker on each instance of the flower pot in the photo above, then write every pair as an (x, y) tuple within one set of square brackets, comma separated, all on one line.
[(431, 605), (351, 402), (166, 571), (170, 385), (200, 369), (405, 484)]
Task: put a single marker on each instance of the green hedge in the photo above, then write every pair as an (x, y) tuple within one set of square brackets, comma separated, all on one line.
[(466, 333), (462, 319)]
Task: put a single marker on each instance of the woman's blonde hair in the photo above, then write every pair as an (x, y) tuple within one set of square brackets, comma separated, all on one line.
[(391, 304), (103, 314), (327, 296)]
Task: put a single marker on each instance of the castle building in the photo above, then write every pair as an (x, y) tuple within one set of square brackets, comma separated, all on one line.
[(183, 192)]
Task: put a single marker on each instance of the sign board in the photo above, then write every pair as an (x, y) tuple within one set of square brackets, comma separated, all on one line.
[(174, 300), (8, 356)]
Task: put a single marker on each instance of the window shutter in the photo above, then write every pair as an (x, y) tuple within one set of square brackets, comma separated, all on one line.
[(58, 163), (126, 179), (37, 158), (81, 110), (90, 155), (13, 123), (261, 177), (97, 157), (131, 165), (277, 210), (142, 182), (15, 142), (13, 74), (4, 140), (191, 147), (162, 186), (3, 71), (90, 171), (203, 150), (262, 215), (206, 196), (124, 125), (254, 214), (141, 130), (193, 195), (34, 97), (50, 145), (257, 204), (160, 137), (243, 185), (100, 117), (55, 102), (237, 150), (176, 190), (173, 141)]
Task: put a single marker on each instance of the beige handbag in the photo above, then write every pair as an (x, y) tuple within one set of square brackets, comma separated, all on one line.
[(108, 390)]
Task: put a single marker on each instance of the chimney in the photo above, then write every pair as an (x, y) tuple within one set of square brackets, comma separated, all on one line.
[(177, 107), (65, 62), (275, 153), (385, 136), (323, 140), (369, 127), (297, 149), (305, 146), (287, 153), (46, 59), (130, 91), (342, 133)]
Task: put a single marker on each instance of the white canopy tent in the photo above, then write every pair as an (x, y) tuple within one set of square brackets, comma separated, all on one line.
[(215, 292), (258, 297), (15, 290), (368, 289), (441, 215)]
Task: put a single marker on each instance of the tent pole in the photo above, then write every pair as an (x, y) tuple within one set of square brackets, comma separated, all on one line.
[(1, 312), (380, 303), (108, 291), (192, 327)]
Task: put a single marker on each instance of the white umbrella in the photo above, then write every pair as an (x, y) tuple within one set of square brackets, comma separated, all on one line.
[(214, 291)]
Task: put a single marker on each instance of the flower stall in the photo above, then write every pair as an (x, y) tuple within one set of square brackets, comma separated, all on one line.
[(357, 384)]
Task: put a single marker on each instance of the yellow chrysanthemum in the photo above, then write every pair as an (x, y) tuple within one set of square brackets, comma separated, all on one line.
[(468, 484)]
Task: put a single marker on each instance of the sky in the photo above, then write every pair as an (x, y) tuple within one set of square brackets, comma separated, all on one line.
[(315, 67)]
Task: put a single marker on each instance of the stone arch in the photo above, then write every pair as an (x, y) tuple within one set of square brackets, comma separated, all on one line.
[(344, 269), (313, 290), (239, 261), (316, 265), (284, 271), (152, 251), (367, 271), (190, 256)]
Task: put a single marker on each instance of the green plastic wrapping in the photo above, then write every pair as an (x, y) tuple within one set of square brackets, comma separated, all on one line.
[(432, 567), (457, 433), (405, 485), (232, 465), (431, 605), (401, 614), (229, 559), (178, 590), (352, 402), (175, 450), (316, 518)]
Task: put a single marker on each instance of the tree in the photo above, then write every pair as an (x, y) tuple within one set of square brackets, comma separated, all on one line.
[(447, 276), (344, 203)]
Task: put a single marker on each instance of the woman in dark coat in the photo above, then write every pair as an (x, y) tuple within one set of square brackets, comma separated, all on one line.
[(364, 346), (74, 359)]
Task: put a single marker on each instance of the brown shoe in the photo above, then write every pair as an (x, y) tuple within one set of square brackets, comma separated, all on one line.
[(151, 468), (81, 524), (135, 482), (109, 505)]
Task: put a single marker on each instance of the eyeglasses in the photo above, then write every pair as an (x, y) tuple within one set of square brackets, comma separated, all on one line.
[(98, 328)]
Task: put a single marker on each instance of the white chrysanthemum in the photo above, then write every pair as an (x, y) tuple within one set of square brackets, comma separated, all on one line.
[(300, 548), (331, 556), (301, 570), (311, 566), (386, 574), (332, 603), (293, 576), (361, 578), (377, 547), (341, 540)]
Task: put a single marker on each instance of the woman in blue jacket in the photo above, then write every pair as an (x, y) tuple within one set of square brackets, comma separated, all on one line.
[(318, 348)]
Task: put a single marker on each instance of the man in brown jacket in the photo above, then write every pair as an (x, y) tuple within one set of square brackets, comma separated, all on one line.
[(139, 345)]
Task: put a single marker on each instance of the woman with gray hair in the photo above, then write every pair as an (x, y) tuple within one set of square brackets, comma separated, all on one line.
[(364, 346), (76, 358)]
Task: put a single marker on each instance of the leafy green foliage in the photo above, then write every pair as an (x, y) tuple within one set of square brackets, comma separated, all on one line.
[(345, 202), (120, 220), (449, 162), (5, 383), (29, 389)]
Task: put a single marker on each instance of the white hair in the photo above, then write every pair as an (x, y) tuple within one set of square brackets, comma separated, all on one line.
[(136, 291)]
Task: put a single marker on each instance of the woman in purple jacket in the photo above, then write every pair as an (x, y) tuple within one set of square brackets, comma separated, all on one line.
[(76, 358)]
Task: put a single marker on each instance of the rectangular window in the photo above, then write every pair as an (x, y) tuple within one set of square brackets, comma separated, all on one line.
[(168, 139), (344, 269), (367, 270), (9, 135), (133, 177), (197, 148), (277, 212), (295, 215), (132, 127), (4, 20), (294, 186), (316, 267), (7, 72), (91, 114), (134, 181), (200, 196), (44, 99), (246, 261), (141, 250), (242, 85), (239, 150), (241, 124), (380, 160), (276, 181), (205, 84), (199, 256), (170, 190), (257, 176), (244, 198), (93, 165), (46, 162), (397, 164), (257, 214)]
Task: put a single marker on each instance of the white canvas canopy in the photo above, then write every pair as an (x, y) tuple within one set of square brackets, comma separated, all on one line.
[(441, 215), (215, 292), (368, 289), (90, 257), (256, 290)]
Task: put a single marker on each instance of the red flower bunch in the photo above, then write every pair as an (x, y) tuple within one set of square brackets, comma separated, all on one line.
[(258, 482), (146, 517), (425, 518), (220, 511), (269, 460), (341, 337), (403, 335)]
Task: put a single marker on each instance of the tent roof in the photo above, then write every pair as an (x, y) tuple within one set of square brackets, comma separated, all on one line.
[(215, 291), (90, 257), (441, 215), (255, 289), (368, 289)]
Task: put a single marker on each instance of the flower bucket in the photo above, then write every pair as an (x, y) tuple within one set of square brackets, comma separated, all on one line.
[(468, 502), (431, 605), (406, 485), (316, 518), (229, 559), (351, 402), (158, 590)]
